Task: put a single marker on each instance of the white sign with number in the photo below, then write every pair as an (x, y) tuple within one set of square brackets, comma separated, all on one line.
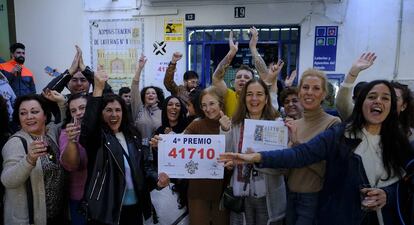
[(191, 156)]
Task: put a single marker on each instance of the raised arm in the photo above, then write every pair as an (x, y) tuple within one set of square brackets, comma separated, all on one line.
[(343, 101), (136, 102), (169, 82), (60, 82), (91, 123), (218, 76), (271, 81), (258, 61), (289, 79), (321, 147)]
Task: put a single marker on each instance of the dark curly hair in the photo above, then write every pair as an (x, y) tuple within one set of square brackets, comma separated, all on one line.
[(159, 91), (30, 97)]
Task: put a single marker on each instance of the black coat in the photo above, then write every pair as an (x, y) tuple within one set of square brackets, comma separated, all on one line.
[(106, 183)]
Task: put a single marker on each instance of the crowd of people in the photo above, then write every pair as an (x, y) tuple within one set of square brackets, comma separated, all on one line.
[(91, 157)]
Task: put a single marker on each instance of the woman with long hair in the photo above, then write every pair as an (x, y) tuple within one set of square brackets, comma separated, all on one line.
[(174, 121), (173, 116), (363, 168), (73, 155), (264, 191), (119, 175)]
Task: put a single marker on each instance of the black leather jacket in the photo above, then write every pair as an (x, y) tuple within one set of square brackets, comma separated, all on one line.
[(106, 185)]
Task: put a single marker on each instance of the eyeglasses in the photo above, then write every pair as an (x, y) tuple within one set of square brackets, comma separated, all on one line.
[(192, 81)]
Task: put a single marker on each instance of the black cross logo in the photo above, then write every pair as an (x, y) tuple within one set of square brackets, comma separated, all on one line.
[(159, 48)]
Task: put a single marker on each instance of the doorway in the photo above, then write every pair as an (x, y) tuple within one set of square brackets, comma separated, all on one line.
[(207, 46)]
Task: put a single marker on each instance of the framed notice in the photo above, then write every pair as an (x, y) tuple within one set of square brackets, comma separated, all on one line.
[(173, 29), (264, 135), (191, 156), (116, 45)]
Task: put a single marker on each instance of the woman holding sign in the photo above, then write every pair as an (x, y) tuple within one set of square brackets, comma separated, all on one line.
[(120, 177), (263, 190), (174, 121), (204, 194), (365, 161)]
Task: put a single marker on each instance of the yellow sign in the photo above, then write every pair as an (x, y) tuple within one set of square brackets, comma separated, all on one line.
[(173, 29)]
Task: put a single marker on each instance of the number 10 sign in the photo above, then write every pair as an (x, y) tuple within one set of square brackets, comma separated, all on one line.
[(191, 156)]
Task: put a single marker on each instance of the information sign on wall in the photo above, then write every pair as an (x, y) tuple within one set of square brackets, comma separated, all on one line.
[(173, 29), (324, 55), (116, 45)]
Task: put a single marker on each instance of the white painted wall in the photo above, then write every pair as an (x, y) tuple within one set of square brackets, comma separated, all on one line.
[(51, 28)]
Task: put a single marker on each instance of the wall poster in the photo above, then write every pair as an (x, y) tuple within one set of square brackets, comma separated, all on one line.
[(117, 44), (324, 55), (173, 29)]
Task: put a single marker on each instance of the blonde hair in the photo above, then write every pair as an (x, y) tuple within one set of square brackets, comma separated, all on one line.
[(315, 73)]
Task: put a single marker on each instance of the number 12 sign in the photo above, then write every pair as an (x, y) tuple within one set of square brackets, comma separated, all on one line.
[(191, 156)]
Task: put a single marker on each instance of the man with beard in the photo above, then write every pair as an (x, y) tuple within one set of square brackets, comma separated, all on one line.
[(190, 78), (19, 76)]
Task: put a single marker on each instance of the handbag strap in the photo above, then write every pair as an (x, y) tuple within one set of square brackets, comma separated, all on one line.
[(244, 171), (28, 186)]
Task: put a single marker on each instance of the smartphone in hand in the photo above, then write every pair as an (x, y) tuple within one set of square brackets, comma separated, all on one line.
[(51, 72)]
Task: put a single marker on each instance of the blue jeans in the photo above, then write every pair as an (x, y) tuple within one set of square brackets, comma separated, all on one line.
[(301, 208), (76, 218)]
